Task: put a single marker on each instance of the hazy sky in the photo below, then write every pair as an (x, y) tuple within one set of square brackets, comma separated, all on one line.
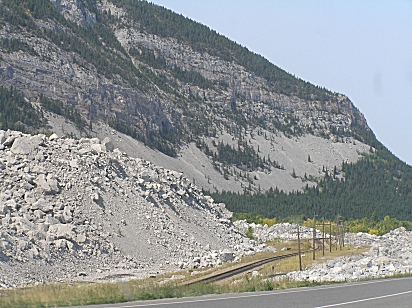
[(362, 49)]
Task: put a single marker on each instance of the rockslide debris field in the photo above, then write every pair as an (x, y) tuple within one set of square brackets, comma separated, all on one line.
[(80, 210)]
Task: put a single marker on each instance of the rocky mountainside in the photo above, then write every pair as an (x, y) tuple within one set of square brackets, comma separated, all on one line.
[(120, 63), (174, 92), (77, 209), (152, 107)]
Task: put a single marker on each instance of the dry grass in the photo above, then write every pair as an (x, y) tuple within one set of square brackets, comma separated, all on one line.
[(161, 287), (61, 295), (292, 264)]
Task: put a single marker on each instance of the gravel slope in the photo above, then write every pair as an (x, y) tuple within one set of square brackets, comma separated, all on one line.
[(291, 153), (79, 208)]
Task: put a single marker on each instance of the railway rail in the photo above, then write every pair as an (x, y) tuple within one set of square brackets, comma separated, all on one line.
[(238, 269)]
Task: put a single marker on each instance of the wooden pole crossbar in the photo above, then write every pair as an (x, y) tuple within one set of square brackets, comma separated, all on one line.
[(340, 230), (323, 238), (339, 233)]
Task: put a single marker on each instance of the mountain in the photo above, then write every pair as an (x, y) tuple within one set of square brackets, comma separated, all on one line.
[(173, 91)]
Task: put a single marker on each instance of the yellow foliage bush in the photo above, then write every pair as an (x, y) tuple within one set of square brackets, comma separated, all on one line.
[(373, 231), (269, 221)]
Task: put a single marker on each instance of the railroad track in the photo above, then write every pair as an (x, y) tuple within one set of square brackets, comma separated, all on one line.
[(238, 269)]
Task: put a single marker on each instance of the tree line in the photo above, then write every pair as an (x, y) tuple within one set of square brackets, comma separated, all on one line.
[(378, 183)]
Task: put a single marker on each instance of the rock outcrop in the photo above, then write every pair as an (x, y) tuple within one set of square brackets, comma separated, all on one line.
[(74, 11)]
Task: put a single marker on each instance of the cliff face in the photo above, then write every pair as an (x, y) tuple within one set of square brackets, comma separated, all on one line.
[(109, 62)]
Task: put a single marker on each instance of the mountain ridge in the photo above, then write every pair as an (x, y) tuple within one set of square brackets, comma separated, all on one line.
[(180, 88)]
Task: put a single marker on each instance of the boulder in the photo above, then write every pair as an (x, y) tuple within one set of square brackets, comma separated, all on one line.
[(49, 184), (8, 206), (2, 136), (60, 243), (51, 220), (27, 144), (96, 148), (42, 205), (227, 255), (63, 231), (107, 145), (95, 197), (81, 238), (53, 137), (9, 141)]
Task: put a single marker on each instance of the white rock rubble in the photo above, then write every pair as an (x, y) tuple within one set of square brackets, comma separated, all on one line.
[(74, 209), (390, 254)]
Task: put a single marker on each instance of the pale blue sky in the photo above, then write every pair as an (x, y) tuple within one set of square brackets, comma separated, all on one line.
[(359, 48)]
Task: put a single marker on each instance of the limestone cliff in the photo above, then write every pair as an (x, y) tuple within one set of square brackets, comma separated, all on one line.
[(120, 63)]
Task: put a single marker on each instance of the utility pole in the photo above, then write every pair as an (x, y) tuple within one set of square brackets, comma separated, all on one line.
[(337, 236), (314, 236), (330, 236), (323, 236), (341, 233), (344, 227), (300, 257)]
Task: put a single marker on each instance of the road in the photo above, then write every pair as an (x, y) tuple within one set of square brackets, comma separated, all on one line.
[(376, 293)]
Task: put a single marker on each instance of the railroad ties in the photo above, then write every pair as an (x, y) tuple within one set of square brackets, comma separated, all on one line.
[(238, 269)]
